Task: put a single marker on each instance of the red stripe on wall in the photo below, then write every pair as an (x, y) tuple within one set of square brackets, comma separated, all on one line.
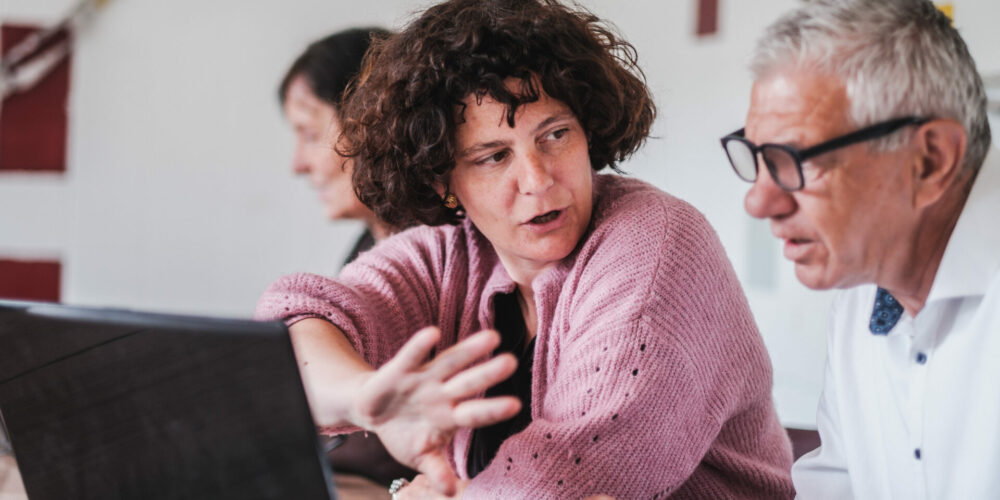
[(30, 280), (33, 123), (708, 17)]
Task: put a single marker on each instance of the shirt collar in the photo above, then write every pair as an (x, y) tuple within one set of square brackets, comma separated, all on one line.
[(972, 256)]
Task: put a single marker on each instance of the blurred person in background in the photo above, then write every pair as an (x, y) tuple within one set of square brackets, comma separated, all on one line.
[(310, 96)]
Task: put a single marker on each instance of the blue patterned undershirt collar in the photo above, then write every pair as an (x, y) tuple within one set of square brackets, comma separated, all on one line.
[(885, 314)]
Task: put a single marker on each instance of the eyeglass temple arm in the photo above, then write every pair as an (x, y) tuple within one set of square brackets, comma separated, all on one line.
[(867, 133)]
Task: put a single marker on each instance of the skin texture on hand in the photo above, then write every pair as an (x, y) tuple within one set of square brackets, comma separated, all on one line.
[(420, 489), (416, 406)]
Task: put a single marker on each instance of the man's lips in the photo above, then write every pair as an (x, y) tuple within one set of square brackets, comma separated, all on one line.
[(796, 248), (789, 235)]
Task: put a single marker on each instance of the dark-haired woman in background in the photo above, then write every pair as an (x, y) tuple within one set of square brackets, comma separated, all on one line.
[(310, 95), (627, 361)]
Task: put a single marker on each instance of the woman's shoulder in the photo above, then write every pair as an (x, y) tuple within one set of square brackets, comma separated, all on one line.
[(645, 243), (435, 251), (420, 241), (634, 212)]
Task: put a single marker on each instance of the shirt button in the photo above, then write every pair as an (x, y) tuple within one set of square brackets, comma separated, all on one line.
[(916, 453), (921, 358)]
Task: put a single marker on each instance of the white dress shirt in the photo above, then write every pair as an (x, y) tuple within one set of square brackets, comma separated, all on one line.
[(915, 414)]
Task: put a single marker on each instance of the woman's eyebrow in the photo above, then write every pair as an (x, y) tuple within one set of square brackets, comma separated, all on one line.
[(566, 115), (479, 147), (483, 146)]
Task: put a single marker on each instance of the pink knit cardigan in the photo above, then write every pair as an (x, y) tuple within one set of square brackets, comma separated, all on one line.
[(650, 379)]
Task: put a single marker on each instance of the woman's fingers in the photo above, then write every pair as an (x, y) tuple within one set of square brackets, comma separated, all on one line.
[(438, 472), (386, 392), (477, 379), (460, 355), (415, 351), (483, 412), (415, 490)]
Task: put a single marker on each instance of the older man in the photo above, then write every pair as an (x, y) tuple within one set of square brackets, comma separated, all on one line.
[(866, 142)]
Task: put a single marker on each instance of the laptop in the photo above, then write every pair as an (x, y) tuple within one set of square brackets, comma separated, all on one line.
[(105, 404)]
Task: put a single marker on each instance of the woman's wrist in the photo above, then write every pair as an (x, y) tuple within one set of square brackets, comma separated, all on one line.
[(332, 372), (351, 412)]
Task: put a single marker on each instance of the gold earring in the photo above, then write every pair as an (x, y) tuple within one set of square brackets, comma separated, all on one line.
[(451, 201)]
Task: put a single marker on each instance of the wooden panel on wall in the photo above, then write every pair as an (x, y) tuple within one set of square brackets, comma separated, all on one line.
[(708, 17), (33, 123), (30, 280)]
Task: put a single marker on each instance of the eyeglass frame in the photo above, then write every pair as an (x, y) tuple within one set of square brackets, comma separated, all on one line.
[(868, 133)]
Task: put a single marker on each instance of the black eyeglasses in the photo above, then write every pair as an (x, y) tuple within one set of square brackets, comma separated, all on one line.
[(785, 162)]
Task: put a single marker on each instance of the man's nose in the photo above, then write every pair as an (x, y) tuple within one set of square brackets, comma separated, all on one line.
[(766, 199)]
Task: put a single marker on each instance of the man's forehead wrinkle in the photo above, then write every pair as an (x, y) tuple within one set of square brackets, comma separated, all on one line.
[(829, 108), (794, 100)]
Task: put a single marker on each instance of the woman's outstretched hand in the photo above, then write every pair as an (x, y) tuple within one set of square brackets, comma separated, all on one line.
[(416, 405)]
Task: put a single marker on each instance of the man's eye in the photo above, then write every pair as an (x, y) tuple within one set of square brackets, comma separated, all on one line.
[(558, 134)]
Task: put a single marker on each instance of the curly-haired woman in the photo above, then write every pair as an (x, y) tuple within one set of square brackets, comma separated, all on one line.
[(627, 361)]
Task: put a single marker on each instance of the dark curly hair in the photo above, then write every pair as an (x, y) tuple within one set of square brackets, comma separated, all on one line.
[(400, 116)]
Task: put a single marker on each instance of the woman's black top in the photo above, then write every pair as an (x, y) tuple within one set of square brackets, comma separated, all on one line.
[(514, 339), (364, 243)]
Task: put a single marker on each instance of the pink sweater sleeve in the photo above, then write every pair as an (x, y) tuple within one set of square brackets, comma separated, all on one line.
[(378, 301), (642, 384)]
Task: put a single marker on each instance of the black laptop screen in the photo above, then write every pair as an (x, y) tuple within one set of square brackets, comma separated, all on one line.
[(110, 404)]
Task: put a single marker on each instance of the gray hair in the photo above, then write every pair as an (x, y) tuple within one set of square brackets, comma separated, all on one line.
[(895, 57)]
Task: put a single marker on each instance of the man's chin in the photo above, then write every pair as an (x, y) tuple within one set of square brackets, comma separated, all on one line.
[(813, 277)]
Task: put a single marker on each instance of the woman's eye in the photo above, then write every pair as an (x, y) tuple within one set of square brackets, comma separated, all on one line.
[(558, 134), (493, 158)]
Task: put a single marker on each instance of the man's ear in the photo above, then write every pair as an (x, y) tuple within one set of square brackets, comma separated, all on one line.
[(940, 145)]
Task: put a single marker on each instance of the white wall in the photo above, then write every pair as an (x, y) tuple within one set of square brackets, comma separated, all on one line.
[(178, 195)]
